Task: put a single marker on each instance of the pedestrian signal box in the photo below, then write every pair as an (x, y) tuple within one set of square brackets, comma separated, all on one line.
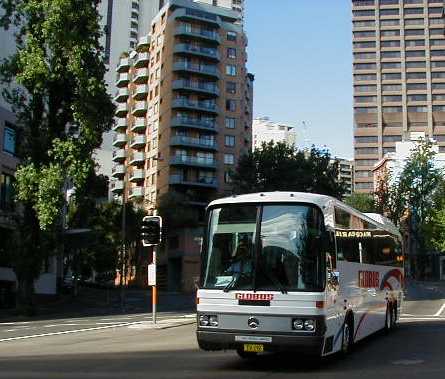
[(151, 230)]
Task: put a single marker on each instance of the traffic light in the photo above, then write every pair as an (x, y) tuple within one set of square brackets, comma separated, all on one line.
[(151, 230)]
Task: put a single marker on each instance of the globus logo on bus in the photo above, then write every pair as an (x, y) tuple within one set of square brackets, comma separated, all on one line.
[(254, 296), (368, 279)]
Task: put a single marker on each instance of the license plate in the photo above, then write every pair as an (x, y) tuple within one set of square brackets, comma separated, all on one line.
[(253, 348)]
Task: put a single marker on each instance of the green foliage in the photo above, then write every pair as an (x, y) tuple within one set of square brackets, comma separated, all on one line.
[(176, 211), (363, 202), (279, 167), (62, 110)]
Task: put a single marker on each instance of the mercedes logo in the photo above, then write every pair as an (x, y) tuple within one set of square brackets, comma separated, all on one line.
[(253, 322)]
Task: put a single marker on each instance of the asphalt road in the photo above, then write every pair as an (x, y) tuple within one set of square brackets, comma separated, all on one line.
[(134, 349)]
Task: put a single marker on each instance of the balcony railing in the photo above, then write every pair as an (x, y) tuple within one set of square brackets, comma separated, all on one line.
[(137, 176), (195, 105), (117, 186), (193, 142), (142, 59), (207, 35), (144, 41), (119, 155), (119, 139), (207, 88), (208, 182), (136, 192), (139, 125), (122, 79), (141, 75), (203, 124), (138, 141), (121, 95), (208, 70), (193, 161), (194, 14), (120, 124), (140, 108), (121, 110), (137, 158), (124, 65), (118, 171), (207, 52), (141, 92)]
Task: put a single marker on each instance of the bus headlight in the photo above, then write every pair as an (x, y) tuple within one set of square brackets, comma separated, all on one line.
[(309, 325), (204, 320), (298, 324), (213, 320)]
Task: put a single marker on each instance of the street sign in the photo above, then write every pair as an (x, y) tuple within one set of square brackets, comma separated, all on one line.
[(152, 274)]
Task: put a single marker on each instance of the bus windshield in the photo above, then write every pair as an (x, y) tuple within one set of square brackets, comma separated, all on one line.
[(265, 247)]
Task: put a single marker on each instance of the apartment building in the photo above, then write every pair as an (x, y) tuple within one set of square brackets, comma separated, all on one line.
[(346, 174), (398, 78), (125, 22), (265, 130), (184, 114)]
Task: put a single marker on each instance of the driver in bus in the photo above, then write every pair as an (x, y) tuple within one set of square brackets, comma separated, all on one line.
[(242, 260)]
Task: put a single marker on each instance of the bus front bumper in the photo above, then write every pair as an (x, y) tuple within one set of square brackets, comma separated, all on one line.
[(227, 340)]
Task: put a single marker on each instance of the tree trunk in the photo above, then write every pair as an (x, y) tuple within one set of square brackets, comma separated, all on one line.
[(25, 291)]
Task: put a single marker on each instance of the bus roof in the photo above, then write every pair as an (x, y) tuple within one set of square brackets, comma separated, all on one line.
[(324, 202)]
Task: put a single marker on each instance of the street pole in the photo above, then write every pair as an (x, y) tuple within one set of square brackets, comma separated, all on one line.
[(154, 293), (123, 257)]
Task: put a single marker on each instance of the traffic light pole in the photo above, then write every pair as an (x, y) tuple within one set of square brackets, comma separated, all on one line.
[(154, 293)]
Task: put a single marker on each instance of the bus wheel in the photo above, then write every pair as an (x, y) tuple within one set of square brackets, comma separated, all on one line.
[(346, 343), (388, 318), (246, 355)]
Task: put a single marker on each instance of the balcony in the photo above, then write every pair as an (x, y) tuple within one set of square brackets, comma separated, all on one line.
[(139, 108), (201, 34), (141, 92), (136, 193), (200, 182), (121, 110), (121, 95), (144, 41), (193, 142), (120, 125), (197, 87), (118, 171), (117, 186), (141, 76), (119, 140), (119, 155), (137, 142), (185, 160), (194, 123), (207, 70), (137, 176), (206, 52), (142, 60), (139, 125), (124, 65), (123, 79), (137, 158), (195, 105), (196, 15)]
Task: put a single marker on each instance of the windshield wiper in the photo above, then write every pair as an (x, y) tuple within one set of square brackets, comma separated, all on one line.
[(229, 286), (273, 279)]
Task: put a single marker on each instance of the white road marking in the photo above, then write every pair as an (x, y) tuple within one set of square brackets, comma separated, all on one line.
[(57, 325), (107, 323), (14, 323), (440, 310), (414, 319), (408, 362), (10, 330), (68, 331)]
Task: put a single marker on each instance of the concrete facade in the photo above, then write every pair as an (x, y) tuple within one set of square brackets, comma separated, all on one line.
[(265, 130), (399, 78)]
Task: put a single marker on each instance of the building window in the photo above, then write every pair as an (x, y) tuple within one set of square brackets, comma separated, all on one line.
[(230, 105), (231, 36), (6, 192), (9, 138), (227, 177), (231, 87), (229, 141), (230, 123), (231, 52), (231, 69), (229, 159)]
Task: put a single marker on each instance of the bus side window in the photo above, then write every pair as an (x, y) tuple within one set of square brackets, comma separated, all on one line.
[(348, 249)]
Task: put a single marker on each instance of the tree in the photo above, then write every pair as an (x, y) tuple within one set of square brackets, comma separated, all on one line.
[(387, 198), (62, 109), (279, 167), (435, 231), (364, 202)]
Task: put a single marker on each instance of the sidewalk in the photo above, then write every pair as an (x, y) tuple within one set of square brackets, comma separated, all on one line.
[(99, 302)]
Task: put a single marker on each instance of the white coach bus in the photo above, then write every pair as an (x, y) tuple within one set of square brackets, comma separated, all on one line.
[(285, 271)]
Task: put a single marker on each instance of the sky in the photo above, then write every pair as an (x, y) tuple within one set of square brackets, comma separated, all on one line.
[(300, 52)]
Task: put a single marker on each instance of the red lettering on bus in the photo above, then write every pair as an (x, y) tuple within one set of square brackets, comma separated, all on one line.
[(368, 279)]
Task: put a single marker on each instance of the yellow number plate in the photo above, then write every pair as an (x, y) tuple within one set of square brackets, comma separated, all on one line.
[(253, 348)]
